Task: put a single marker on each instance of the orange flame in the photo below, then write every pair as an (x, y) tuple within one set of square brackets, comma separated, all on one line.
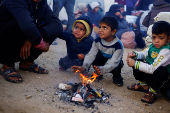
[(87, 80)]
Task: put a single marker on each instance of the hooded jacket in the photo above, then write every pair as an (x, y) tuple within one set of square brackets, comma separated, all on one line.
[(30, 17), (158, 6), (74, 46), (122, 24)]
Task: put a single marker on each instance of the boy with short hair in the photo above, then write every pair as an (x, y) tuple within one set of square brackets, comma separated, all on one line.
[(78, 42), (106, 52), (153, 74)]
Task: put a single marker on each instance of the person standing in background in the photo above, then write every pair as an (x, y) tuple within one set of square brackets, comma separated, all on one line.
[(130, 4), (69, 6), (143, 4), (121, 2), (81, 10)]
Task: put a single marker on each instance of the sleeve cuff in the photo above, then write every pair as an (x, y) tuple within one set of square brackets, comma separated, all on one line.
[(137, 64)]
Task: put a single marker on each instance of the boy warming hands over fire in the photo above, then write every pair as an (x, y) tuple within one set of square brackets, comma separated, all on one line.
[(106, 52)]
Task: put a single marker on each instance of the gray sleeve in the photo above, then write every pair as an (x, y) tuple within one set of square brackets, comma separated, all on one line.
[(113, 62), (89, 58)]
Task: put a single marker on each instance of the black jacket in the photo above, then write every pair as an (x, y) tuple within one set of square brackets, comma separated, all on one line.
[(31, 17)]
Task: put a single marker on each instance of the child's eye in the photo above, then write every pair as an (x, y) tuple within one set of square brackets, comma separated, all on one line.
[(105, 28), (99, 26), (76, 27), (161, 38), (82, 29)]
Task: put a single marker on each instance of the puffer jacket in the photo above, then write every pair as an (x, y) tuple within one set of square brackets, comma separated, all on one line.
[(73, 46), (30, 17)]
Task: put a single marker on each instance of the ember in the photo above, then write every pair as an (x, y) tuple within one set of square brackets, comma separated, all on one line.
[(82, 93)]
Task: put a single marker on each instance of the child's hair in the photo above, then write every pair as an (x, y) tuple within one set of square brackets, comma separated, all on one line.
[(161, 27), (110, 21)]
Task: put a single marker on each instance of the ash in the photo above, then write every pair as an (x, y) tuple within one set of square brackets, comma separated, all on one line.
[(82, 94)]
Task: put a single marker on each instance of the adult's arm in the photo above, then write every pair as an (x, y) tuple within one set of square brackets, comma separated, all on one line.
[(53, 26)]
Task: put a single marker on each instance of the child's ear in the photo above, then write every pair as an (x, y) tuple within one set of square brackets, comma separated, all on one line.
[(114, 32)]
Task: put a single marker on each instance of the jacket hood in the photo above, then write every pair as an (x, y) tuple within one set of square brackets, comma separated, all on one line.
[(87, 21), (114, 8)]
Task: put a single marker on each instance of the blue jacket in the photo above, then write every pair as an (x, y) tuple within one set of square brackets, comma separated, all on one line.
[(73, 46), (95, 16), (30, 17)]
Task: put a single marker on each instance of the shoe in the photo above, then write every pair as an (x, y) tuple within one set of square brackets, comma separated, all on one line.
[(149, 98), (139, 88), (118, 81)]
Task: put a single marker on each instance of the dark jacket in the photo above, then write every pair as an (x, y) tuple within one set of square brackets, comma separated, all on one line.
[(143, 4), (95, 16), (122, 24), (73, 46), (30, 17), (158, 6)]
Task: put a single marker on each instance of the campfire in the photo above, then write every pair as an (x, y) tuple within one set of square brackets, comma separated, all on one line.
[(82, 93)]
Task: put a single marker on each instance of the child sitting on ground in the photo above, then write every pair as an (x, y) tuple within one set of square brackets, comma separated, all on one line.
[(78, 41), (154, 72), (106, 52)]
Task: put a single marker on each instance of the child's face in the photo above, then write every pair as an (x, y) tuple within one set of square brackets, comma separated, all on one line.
[(160, 40), (79, 30), (105, 32), (96, 9), (86, 9)]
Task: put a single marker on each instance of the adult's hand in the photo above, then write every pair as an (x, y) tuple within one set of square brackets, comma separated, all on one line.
[(46, 48), (25, 49)]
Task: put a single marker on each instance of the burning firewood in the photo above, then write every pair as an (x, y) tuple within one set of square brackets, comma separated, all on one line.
[(82, 93)]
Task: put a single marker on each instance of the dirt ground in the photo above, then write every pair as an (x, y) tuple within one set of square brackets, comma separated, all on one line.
[(37, 93)]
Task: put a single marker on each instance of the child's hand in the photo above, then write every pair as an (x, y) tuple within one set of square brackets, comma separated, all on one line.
[(80, 68), (131, 55), (97, 70), (130, 62), (81, 56)]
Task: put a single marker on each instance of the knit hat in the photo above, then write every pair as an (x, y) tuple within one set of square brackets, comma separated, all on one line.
[(94, 4), (82, 6)]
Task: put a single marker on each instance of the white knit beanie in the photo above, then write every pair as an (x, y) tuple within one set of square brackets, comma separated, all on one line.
[(94, 4)]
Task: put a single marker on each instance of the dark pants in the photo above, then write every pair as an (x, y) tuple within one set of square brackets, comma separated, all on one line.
[(158, 80), (67, 62), (129, 10), (101, 60), (11, 41)]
